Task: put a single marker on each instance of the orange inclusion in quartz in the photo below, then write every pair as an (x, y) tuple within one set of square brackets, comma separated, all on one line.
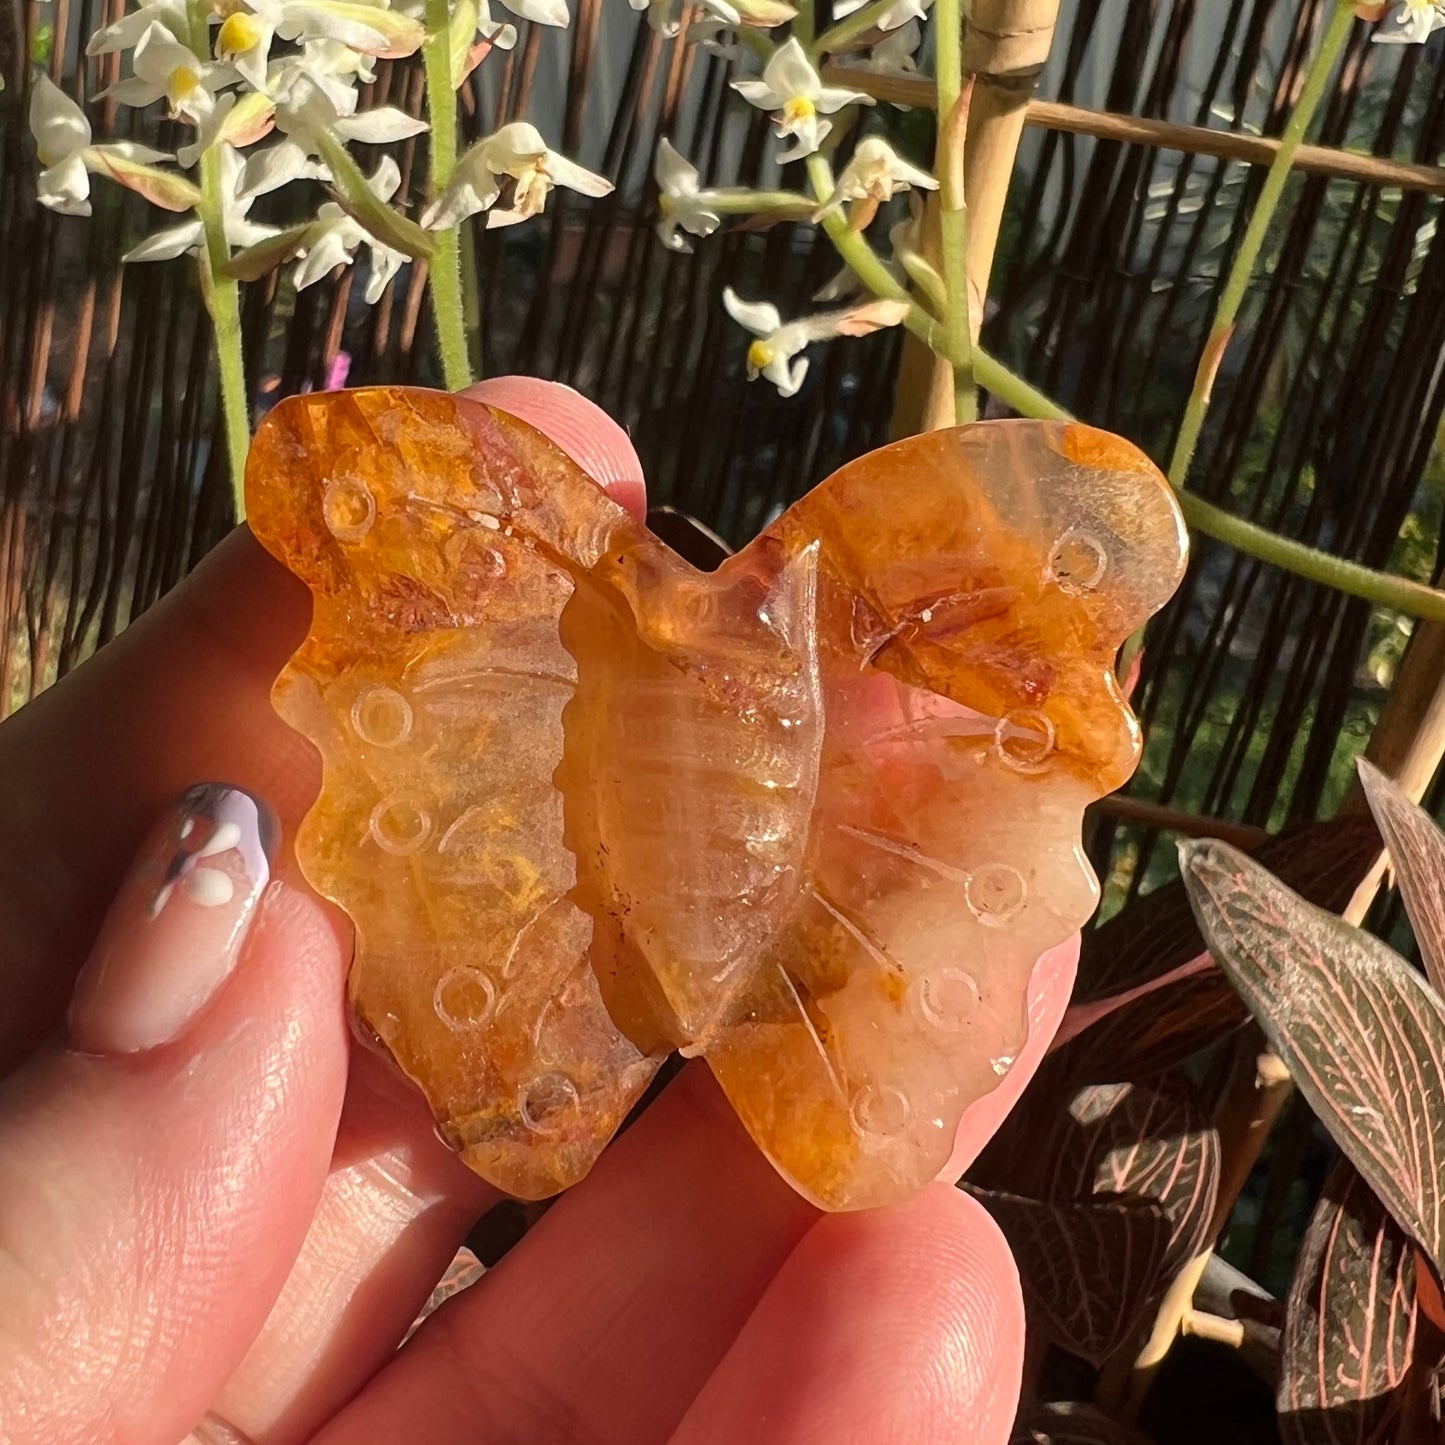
[(812, 816)]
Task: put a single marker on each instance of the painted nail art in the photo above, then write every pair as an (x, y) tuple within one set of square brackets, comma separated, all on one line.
[(174, 933)]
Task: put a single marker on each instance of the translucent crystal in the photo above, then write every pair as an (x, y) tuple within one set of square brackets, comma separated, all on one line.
[(812, 816)]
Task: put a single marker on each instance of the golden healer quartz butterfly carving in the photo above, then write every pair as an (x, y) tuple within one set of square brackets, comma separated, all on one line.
[(812, 816)]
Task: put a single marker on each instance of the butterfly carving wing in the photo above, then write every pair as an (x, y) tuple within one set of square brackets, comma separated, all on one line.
[(972, 589), (442, 542)]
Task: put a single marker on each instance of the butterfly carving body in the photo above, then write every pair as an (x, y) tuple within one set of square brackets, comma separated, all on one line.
[(813, 816)]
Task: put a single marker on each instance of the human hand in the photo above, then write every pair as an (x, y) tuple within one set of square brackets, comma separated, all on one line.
[(210, 1206)]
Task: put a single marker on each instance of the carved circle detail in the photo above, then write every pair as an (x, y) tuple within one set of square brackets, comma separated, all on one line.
[(1078, 562), (546, 1102), (381, 716), (949, 998), (464, 998), (1024, 739), (996, 892), (400, 824), (881, 1109), (348, 508)]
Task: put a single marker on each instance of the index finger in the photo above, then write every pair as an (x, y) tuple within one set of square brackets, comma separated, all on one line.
[(184, 693)]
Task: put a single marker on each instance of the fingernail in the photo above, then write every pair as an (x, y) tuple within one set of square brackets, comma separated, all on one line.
[(215, 1431), (175, 930)]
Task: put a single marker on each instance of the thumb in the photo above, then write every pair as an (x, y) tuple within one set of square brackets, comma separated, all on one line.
[(158, 1172)]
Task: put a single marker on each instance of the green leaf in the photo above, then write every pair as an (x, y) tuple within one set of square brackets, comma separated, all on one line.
[(265, 256), (1361, 1032), (459, 41), (1349, 1335)]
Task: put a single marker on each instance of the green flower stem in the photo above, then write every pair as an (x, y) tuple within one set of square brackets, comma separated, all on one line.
[(739, 202), (366, 206), (1236, 285), (221, 293), (445, 279), (803, 28), (223, 301), (845, 32), (1384, 590), (952, 214), (867, 265)]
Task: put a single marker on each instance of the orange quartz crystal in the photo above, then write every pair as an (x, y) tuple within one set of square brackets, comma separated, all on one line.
[(812, 816)]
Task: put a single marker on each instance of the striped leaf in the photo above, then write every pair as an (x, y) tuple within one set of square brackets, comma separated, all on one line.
[(1103, 1192), (1139, 1010), (1362, 1033), (1157, 934), (1349, 1335), (1417, 855), (1155, 1031), (1089, 1271)]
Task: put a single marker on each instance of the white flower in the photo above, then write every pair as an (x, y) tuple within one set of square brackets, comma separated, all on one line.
[(681, 203), (127, 32), (665, 16), (306, 112), (543, 12), (892, 17), (333, 238), (244, 40), (778, 342), (1414, 22), (329, 66), (164, 68), (277, 165), (893, 55), (62, 139), (370, 28), (792, 87), (192, 235), (874, 173), (517, 150)]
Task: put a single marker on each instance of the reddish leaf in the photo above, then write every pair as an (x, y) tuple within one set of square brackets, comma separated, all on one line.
[(1148, 1142), (1157, 1031), (1089, 1270), (1071, 1424), (1417, 855), (1362, 1033), (1157, 933), (1350, 1332), (1103, 1192), (1156, 940)]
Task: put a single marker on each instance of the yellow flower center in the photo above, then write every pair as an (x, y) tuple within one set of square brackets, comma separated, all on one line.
[(181, 84), (240, 32), (760, 355), (799, 108)]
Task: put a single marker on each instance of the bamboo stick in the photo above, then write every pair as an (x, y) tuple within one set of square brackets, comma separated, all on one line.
[(1172, 820), (1005, 47), (1225, 145)]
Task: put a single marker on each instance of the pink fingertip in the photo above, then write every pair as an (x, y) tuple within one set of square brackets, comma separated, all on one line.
[(1050, 986), (580, 427)]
